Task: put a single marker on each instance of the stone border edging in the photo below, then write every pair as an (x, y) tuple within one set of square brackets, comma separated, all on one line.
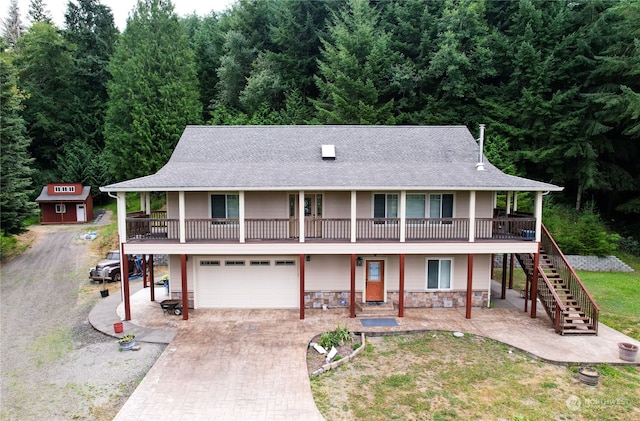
[(335, 364)]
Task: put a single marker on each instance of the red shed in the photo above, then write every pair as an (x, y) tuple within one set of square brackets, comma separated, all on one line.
[(65, 203)]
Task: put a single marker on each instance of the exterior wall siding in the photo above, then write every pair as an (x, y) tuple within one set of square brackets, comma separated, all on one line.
[(336, 204)]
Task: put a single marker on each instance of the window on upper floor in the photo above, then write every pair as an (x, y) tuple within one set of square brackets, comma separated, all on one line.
[(225, 206), (385, 205), (441, 205), (430, 206), (439, 273), (64, 189)]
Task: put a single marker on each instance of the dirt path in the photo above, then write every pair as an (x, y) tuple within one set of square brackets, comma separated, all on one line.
[(54, 365)]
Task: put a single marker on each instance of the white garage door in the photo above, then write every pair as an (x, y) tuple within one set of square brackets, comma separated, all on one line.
[(237, 282)]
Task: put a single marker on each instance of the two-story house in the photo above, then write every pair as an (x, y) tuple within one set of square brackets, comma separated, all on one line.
[(310, 216)]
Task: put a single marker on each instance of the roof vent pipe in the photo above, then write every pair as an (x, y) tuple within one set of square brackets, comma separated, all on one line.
[(480, 164)]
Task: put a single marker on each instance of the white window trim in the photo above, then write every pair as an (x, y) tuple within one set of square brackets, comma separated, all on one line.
[(226, 198), (64, 189), (426, 273), (373, 205), (61, 208), (428, 203)]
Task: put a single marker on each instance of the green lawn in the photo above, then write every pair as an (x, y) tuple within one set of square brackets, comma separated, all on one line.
[(618, 296), (435, 376)]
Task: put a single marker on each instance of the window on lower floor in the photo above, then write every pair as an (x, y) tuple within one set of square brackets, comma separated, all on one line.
[(61, 208), (438, 273)]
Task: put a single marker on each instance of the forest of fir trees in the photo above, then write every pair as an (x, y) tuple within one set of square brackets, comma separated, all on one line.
[(557, 84)]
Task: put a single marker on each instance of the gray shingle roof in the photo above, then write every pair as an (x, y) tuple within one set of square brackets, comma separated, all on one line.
[(46, 197), (289, 158)]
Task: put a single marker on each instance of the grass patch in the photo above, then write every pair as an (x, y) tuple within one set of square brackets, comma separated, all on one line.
[(53, 345), (618, 296), (437, 376)]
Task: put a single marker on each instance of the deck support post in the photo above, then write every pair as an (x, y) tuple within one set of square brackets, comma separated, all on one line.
[(352, 288), (504, 276), (185, 293), (534, 282), (302, 259), (153, 285), (124, 278), (401, 289), (469, 285), (511, 266), (144, 272)]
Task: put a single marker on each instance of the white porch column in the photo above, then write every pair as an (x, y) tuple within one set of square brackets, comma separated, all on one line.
[(301, 214), (353, 216), (121, 206), (515, 201), (472, 216), (143, 202), (241, 216), (182, 226), (538, 215), (403, 215), (508, 204)]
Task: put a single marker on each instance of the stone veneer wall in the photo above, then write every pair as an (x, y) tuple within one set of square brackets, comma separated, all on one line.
[(440, 299), (417, 299), (316, 299)]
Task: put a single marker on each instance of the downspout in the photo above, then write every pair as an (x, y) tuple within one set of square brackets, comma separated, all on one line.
[(480, 164)]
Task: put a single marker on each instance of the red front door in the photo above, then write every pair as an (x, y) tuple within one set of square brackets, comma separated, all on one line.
[(375, 280)]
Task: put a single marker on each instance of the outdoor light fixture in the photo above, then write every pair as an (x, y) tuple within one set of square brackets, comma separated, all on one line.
[(308, 258), (359, 261)]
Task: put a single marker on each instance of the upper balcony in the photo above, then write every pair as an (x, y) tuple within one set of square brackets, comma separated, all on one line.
[(156, 227)]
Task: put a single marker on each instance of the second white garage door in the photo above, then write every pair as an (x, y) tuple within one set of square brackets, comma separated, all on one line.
[(242, 282)]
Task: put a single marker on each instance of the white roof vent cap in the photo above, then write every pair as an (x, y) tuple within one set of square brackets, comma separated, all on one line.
[(328, 152)]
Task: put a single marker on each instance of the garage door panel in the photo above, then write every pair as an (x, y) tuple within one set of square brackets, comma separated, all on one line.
[(247, 286)]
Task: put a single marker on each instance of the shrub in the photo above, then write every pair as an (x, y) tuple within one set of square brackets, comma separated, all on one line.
[(630, 245), (579, 232), (339, 336)]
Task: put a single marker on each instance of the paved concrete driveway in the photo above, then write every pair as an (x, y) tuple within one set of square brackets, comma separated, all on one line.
[(228, 365)]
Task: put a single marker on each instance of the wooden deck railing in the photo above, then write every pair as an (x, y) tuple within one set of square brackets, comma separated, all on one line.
[(505, 228), (141, 227), (437, 228)]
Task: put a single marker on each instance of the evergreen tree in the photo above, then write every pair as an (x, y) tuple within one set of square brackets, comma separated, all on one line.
[(90, 28), (11, 25), (38, 12), (45, 68), (15, 163), (153, 93), (354, 69)]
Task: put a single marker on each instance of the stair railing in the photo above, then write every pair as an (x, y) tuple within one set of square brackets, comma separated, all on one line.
[(571, 279), (546, 292)]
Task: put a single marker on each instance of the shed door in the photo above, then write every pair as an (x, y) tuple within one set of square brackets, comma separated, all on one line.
[(81, 214)]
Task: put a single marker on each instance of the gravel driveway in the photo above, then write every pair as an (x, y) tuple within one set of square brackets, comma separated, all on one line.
[(54, 365)]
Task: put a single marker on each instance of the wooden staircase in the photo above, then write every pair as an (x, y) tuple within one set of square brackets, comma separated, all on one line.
[(562, 294)]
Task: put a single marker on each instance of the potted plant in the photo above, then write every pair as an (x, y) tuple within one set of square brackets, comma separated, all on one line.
[(588, 376), (628, 352), (127, 342)]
